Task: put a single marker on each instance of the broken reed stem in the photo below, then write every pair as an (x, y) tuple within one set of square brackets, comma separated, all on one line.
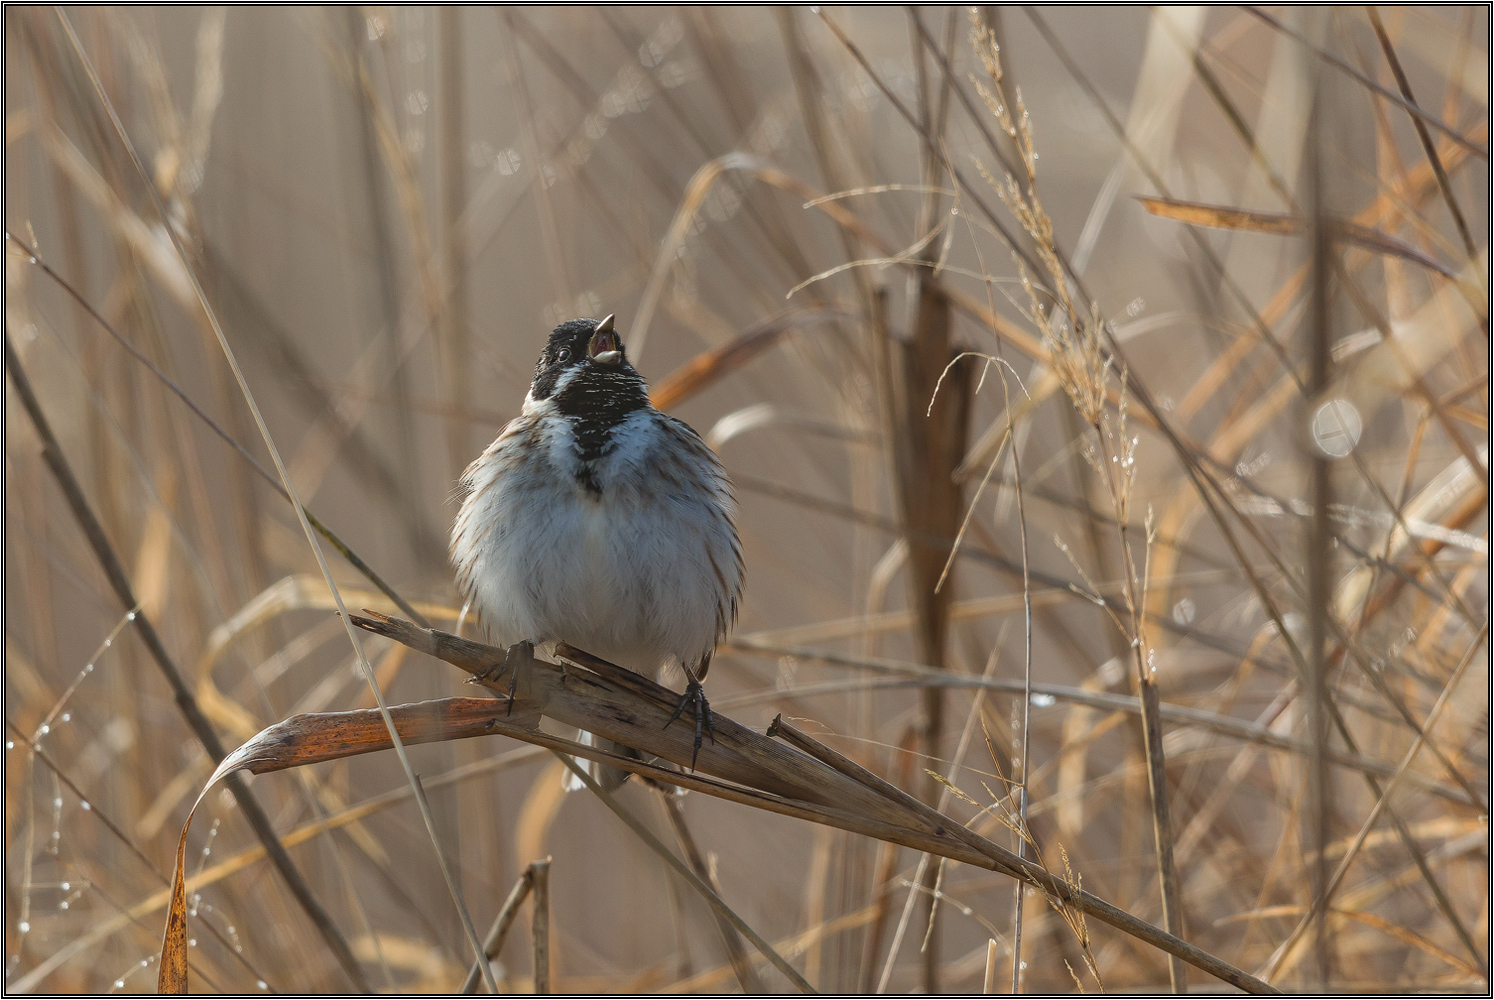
[(186, 703), (539, 879), (992, 953), (498, 933), (628, 708)]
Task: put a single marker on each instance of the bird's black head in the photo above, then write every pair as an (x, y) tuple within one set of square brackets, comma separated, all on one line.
[(584, 369)]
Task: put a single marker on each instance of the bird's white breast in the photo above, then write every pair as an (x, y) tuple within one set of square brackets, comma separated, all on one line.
[(643, 573)]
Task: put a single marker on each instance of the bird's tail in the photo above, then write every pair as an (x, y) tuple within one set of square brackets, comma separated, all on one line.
[(610, 778)]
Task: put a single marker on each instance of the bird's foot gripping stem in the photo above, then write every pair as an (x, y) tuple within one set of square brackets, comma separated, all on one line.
[(694, 697), (518, 657)]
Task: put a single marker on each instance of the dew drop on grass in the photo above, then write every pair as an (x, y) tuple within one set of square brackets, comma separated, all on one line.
[(1184, 611)]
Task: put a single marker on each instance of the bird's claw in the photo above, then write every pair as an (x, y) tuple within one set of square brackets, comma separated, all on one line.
[(694, 696), (518, 655)]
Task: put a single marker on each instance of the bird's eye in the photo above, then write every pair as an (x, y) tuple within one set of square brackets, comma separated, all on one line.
[(564, 355)]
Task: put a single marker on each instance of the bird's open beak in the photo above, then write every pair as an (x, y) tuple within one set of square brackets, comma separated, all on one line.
[(604, 346)]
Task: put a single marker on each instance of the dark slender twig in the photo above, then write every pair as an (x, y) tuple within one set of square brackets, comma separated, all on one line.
[(747, 977), (1008, 862), (1017, 247), (1427, 145), (1213, 495), (1416, 112), (337, 543), (1189, 455), (1367, 309), (1319, 554), (696, 882), (91, 804), (919, 675), (493, 943), (93, 531), (975, 115)]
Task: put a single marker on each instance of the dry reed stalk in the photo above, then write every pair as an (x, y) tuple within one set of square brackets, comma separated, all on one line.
[(1320, 572), (620, 705), (507, 914), (197, 411), (696, 881), (625, 707), (456, 338), (212, 320), (731, 940), (122, 837), (386, 283), (1338, 721), (627, 106), (1083, 368), (186, 703), (539, 880)]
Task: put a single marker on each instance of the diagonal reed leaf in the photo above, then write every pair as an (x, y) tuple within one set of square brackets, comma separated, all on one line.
[(1288, 224)]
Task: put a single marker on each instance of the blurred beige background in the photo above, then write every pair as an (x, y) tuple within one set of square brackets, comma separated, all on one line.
[(389, 208)]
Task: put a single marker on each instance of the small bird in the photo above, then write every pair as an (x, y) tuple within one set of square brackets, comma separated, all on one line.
[(596, 520)]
